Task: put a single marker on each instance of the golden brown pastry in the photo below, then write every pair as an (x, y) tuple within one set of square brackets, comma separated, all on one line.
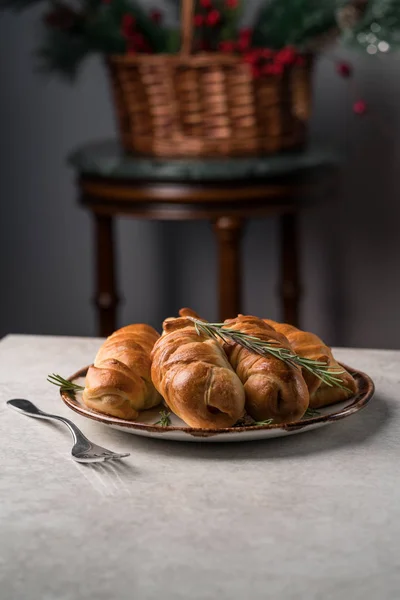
[(119, 383), (195, 378), (309, 345), (274, 389), (188, 312)]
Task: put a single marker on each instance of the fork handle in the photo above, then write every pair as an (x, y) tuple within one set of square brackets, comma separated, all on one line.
[(31, 410)]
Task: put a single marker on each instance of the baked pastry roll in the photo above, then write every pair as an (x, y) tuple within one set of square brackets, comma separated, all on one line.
[(274, 389), (194, 376), (188, 312), (309, 345), (119, 383)]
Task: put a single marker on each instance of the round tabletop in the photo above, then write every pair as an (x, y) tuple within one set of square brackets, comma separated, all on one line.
[(224, 191), (106, 159)]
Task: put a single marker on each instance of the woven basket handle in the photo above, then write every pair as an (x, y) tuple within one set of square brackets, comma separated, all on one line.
[(187, 14)]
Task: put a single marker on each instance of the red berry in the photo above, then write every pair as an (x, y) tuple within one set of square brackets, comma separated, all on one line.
[(213, 18), (286, 56), (226, 46), (198, 20), (243, 44), (139, 41), (231, 3), (156, 16), (256, 71), (273, 69), (344, 69), (360, 107), (266, 53), (131, 47), (250, 57), (128, 20), (206, 4), (128, 25), (245, 33)]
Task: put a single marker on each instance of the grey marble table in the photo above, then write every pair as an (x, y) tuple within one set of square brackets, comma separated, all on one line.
[(313, 516)]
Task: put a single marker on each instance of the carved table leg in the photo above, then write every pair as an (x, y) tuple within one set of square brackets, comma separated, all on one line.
[(228, 232), (106, 296), (290, 279)]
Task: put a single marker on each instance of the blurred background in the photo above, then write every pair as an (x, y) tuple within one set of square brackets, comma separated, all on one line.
[(351, 246)]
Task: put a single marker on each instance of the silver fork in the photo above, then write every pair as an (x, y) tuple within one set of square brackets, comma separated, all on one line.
[(83, 449)]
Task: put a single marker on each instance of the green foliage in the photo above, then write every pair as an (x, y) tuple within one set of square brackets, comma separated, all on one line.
[(99, 32), (62, 52), (95, 26), (172, 41), (154, 34), (381, 20), (102, 32), (293, 22), (230, 30)]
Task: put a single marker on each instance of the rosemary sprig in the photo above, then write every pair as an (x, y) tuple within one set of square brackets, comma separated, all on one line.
[(165, 419), (266, 422), (310, 413), (64, 384), (321, 369)]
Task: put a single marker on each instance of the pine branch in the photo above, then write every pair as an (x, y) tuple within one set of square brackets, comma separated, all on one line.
[(293, 22), (62, 52), (154, 33)]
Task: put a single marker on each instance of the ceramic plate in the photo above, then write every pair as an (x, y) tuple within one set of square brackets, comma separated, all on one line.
[(181, 432)]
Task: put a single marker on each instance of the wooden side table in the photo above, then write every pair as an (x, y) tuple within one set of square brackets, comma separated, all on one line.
[(226, 192)]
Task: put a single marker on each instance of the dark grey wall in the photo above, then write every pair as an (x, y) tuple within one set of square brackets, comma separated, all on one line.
[(351, 253)]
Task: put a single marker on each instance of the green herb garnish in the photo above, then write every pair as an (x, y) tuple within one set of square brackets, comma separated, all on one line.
[(310, 413), (64, 384), (266, 422), (165, 419), (321, 369)]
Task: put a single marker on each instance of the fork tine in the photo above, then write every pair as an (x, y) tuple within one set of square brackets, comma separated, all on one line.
[(83, 449), (117, 456), (99, 458), (94, 460)]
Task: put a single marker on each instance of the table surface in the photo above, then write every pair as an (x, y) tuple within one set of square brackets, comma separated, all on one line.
[(315, 515), (106, 159)]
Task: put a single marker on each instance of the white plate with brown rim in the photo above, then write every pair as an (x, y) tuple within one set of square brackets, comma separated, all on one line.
[(179, 431)]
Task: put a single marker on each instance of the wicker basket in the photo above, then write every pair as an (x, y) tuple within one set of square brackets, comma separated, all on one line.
[(207, 104)]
